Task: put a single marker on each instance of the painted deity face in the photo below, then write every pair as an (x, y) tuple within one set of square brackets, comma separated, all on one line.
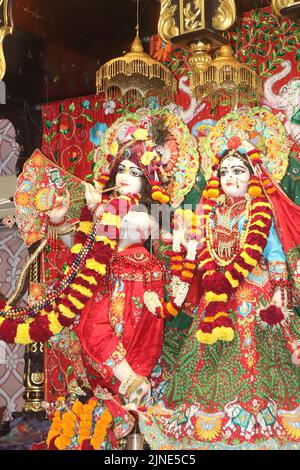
[(234, 177), (128, 178)]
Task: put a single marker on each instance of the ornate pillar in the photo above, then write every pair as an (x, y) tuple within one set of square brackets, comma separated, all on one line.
[(34, 378), (34, 355)]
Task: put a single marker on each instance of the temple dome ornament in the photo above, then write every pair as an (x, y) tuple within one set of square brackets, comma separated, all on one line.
[(199, 27), (136, 76), (227, 81)]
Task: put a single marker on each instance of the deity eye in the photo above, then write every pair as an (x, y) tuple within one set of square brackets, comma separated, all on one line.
[(121, 169), (223, 172), (135, 171)]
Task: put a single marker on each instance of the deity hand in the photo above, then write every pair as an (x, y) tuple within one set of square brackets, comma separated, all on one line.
[(280, 298), (59, 210), (186, 232), (93, 196), (182, 226)]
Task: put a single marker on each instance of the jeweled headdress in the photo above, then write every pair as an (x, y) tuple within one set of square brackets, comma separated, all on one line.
[(259, 127), (160, 144)]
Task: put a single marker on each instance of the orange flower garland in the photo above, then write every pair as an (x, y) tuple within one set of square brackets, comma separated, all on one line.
[(86, 421), (79, 419), (100, 430), (88, 440), (55, 428), (68, 426), (63, 427)]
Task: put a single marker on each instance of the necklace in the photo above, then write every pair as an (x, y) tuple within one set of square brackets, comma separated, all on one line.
[(223, 238)]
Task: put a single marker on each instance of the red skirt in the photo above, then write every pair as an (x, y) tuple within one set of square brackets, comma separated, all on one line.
[(116, 324)]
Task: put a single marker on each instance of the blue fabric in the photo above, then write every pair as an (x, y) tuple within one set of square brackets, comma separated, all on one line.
[(273, 250)]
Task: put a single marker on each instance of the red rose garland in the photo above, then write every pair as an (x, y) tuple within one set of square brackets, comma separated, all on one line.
[(219, 278), (86, 270)]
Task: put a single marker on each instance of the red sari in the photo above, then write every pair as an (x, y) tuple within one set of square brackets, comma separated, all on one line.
[(116, 323)]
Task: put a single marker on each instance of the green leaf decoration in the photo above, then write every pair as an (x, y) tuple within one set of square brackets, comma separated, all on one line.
[(90, 156), (64, 132), (289, 49), (72, 108), (87, 117), (48, 124)]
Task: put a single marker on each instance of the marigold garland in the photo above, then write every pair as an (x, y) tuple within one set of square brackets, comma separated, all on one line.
[(55, 428), (64, 426), (66, 423), (86, 421), (85, 269), (101, 428), (220, 278)]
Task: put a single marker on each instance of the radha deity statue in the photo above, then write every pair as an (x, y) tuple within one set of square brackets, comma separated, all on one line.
[(235, 383)]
